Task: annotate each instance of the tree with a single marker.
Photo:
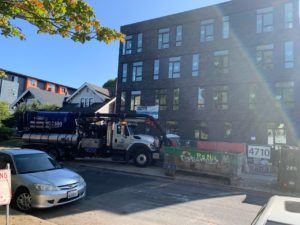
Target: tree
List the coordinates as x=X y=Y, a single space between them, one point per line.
x=2 y=74
x=4 y=112
x=35 y=106
x=110 y=83
x=67 y=18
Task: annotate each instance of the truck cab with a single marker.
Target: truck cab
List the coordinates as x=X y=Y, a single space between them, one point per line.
x=142 y=148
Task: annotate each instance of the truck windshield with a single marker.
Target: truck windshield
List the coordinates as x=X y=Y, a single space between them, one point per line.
x=32 y=163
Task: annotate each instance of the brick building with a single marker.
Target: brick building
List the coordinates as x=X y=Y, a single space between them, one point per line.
x=15 y=84
x=227 y=72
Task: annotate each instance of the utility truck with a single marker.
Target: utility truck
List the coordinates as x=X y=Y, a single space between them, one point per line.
x=66 y=135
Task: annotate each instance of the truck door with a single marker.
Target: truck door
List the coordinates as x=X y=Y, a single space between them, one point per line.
x=121 y=139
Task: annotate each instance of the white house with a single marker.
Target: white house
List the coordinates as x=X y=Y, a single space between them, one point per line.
x=90 y=98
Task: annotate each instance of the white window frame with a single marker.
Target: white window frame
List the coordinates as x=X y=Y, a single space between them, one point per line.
x=289 y=57
x=137 y=71
x=207 y=30
x=174 y=67
x=163 y=38
x=156 y=69
x=179 y=30
x=262 y=16
x=127 y=46
x=139 y=42
x=124 y=72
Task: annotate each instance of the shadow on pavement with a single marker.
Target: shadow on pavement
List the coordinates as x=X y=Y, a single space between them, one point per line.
x=124 y=194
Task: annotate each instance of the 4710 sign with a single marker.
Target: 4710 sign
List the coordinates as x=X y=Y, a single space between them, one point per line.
x=258 y=151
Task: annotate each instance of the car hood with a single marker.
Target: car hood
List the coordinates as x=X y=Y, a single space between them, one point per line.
x=56 y=177
x=144 y=137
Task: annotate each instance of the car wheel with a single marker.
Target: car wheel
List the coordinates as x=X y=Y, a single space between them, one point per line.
x=142 y=158
x=23 y=200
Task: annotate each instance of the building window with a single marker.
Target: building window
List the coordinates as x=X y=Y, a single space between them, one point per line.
x=195 y=65
x=82 y=103
x=252 y=97
x=51 y=87
x=91 y=101
x=171 y=127
x=14 y=78
x=86 y=102
x=156 y=69
x=225 y=27
x=201 y=132
x=284 y=92
x=161 y=99
x=127 y=46
x=124 y=73
x=64 y=90
x=176 y=99
x=221 y=62
x=135 y=100
x=140 y=42
x=123 y=101
x=137 y=71
x=264 y=56
x=201 y=99
x=220 y=97
x=164 y=38
x=264 y=20
x=32 y=82
x=179 y=35
x=288 y=54
x=288 y=15
x=174 y=67
x=207 y=30
x=276 y=134
x=227 y=130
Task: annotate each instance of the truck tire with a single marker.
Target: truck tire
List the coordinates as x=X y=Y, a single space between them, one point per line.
x=142 y=158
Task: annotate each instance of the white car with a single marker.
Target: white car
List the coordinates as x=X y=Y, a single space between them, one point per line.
x=38 y=181
x=279 y=210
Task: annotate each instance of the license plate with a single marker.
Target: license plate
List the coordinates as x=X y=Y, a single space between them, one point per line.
x=72 y=194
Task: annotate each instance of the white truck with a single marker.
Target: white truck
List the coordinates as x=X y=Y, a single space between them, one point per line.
x=67 y=135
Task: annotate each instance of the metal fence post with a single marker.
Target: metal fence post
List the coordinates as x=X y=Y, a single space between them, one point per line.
x=7 y=206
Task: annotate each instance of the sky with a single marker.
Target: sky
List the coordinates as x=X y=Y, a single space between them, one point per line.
x=71 y=63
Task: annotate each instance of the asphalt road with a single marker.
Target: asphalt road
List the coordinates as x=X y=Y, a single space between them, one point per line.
x=120 y=199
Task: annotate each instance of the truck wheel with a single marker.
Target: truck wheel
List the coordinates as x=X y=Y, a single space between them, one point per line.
x=142 y=158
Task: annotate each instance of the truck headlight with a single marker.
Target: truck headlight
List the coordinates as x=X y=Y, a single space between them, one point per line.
x=45 y=187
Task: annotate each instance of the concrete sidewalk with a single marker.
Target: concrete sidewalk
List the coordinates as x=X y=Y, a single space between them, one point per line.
x=18 y=218
x=249 y=182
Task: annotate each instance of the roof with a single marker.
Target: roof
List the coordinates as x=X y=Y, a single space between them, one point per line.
x=44 y=97
x=102 y=92
x=73 y=107
x=20 y=151
x=281 y=209
x=28 y=76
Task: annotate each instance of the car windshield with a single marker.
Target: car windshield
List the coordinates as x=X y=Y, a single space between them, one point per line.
x=31 y=163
